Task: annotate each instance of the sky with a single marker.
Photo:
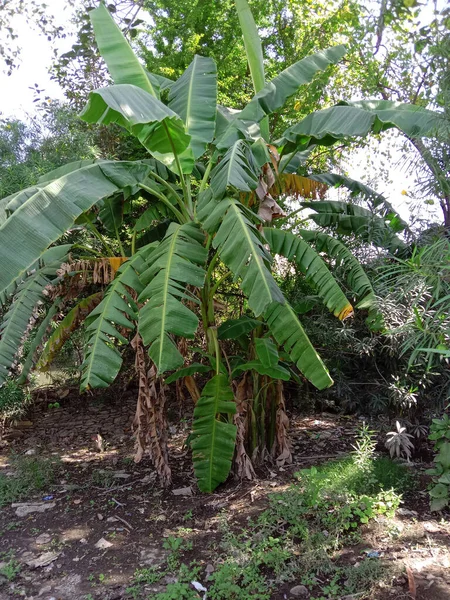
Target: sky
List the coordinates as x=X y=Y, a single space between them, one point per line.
x=16 y=100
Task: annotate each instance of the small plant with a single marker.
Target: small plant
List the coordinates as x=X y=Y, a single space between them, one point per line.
x=103 y=478
x=399 y=442
x=14 y=399
x=10 y=569
x=364 y=448
x=31 y=474
x=175 y=545
x=440 y=492
x=54 y=405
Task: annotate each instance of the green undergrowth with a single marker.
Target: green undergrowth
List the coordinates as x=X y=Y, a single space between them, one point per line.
x=297 y=539
x=30 y=475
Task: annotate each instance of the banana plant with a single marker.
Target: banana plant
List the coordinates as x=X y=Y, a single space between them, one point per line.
x=208 y=206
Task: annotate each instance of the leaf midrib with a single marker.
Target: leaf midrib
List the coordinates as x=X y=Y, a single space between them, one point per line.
x=255 y=254
x=171 y=254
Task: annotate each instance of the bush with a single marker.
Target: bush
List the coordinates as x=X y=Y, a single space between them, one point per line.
x=440 y=492
x=14 y=400
x=31 y=475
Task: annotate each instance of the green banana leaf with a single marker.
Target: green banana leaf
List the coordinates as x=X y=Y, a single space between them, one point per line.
x=274 y=371
x=176 y=263
x=160 y=130
x=29 y=292
x=67 y=168
x=379 y=203
x=213 y=437
x=194 y=97
x=350 y=219
x=120 y=59
x=236 y=169
x=241 y=248
x=266 y=351
x=102 y=360
x=41 y=333
x=235 y=328
x=53 y=210
x=356 y=277
x=192 y=369
x=275 y=93
x=326 y=127
x=111 y=213
x=311 y=264
x=65 y=328
x=288 y=332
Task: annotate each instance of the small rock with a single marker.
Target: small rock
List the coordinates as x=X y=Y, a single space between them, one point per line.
x=102 y=544
x=99 y=516
x=430 y=526
x=30 y=452
x=120 y=475
x=186 y=491
x=405 y=512
x=45 y=590
x=25 y=508
x=44 y=538
x=43 y=560
x=299 y=591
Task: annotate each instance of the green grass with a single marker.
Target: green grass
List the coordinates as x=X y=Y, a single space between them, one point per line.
x=32 y=474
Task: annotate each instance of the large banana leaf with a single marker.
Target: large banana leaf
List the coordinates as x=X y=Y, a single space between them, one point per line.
x=117 y=52
x=111 y=213
x=356 y=278
x=103 y=360
x=276 y=92
x=67 y=168
x=288 y=332
x=350 y=219
x=356 y=188
x=316 y=271
x=48 y=213
x=176 y=263
x=253 y=50
x=15 y=323
x=241 y=248
x=65 y=328
x=236 y=169
x=325 y=127
x=155 y=125
x=213 y=436
x=14 y=201
x=194 y=98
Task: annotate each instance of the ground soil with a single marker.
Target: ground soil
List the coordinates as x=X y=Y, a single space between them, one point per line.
x=100 y=493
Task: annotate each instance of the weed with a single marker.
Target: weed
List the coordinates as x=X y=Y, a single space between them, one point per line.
x=102 y=478
x=188 y=516
x=440 y=492
x=31 y=474
x=10 y=569
x=14 y=400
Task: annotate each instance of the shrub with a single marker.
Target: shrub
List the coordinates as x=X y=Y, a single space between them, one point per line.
x=440 y=434
x=14 y=399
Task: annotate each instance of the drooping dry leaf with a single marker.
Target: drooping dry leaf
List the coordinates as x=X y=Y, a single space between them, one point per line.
x=242 y=462
x=150 y=423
